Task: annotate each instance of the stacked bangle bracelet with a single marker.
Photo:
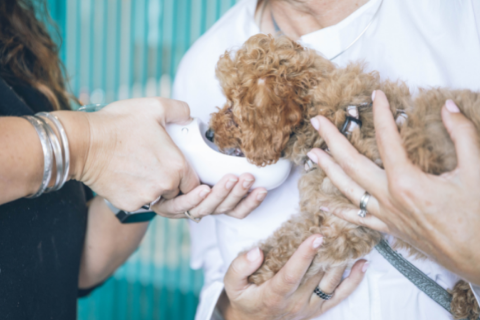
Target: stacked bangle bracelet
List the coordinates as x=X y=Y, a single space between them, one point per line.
x=55 y=149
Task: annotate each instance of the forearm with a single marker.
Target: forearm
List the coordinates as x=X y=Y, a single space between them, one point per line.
x=21 y=159
x=21 y=155
x=108 y=243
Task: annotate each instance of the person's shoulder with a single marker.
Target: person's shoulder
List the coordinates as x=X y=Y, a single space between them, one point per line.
x=430 y=11
x=433 y=20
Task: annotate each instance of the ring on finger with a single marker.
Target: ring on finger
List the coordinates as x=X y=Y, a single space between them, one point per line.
x=154 y=202
x=189 y=216
x=363 y=204
x=322 y=295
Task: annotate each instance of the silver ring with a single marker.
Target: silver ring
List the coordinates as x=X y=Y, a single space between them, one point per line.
x=154 y=202
x=363 y=204
x=322 y=295
x=189 y=216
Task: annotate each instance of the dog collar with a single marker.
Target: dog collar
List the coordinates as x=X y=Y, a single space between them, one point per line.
x=353 y=121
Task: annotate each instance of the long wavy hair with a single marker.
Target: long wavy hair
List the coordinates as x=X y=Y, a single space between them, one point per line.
x=27 y=52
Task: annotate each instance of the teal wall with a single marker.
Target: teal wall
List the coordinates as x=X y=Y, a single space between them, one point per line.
x=117 y=49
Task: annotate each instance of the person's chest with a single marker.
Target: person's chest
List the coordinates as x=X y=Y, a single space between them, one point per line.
x=424 y=50
x=41 y=244
x=41 y=239
x=422 y=43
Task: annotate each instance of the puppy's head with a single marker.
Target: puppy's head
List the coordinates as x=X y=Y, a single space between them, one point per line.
x=267 y=83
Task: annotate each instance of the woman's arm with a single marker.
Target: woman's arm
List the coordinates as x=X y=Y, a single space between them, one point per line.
x=21 y=159
x=21 y=155
x=108 y=243
x=440 y=215
x=122 y=152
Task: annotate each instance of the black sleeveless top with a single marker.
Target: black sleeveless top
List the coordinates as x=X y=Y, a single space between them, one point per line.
x=41 y=239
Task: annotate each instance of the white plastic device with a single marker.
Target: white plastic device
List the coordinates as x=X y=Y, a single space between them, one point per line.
x=212 y=165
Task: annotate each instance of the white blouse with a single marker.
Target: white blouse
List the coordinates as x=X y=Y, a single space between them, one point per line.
x=426 y=43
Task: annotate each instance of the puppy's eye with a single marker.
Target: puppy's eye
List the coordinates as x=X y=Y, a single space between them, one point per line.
x=232 y=123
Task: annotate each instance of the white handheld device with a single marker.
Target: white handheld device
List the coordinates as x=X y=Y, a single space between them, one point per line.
x=211 y=165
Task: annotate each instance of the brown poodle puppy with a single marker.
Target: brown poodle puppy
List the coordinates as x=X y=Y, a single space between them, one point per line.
x=273 y=87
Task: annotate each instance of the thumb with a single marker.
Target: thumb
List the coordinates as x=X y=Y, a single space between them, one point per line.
x=464 y=135
x=175 y=111
x=236 y=279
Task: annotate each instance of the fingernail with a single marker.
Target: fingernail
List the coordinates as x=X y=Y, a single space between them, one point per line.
x=204 y=193
x=230 y=183
x=261 y=195
x=317 y=242
x=373 y=95
x=247 y=183
x=451 y=106
x=253 y=254
x=312 y=157
x=365 y=266
x=315 y=123
x=325 y=209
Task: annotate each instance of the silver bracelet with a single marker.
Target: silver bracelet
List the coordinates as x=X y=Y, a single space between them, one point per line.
x=47 y=154
x=66 y=147
x=57 y=152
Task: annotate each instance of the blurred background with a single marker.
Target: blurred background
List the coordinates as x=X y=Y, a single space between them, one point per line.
x=118 y=49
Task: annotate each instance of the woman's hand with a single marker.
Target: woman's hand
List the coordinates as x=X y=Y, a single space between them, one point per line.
x=126 y=156
x=229 y=196
x=440 y=215
x=282 y=297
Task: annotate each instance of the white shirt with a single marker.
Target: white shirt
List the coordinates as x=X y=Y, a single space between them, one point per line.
x=426 y=43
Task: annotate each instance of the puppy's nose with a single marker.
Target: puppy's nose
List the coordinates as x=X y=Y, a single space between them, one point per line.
x=210 y=135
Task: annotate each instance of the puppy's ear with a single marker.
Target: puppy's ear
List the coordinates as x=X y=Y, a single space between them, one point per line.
x=276 y=77
x=227 y=74
x=267 y=125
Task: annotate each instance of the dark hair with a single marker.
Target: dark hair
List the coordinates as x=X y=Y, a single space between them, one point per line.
x=28 y=53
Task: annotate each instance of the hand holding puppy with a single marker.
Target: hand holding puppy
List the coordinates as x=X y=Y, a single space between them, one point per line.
x=440 y=215
x=283 y=296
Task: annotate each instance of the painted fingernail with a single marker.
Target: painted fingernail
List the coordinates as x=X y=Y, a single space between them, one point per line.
x=204 y=193
x=312 y=156
x=230 y=183
x=247 y=183
x=253 y=254
x=373 y=95
x=451 y=106
x=261 y=195
x=365 y=266
x=315 y=123
x=317 y=242
x=325 y=209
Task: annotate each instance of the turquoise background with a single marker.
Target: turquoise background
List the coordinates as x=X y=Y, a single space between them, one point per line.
x=118 y=49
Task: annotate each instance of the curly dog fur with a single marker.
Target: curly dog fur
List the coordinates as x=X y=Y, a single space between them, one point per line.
x=274 y=86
